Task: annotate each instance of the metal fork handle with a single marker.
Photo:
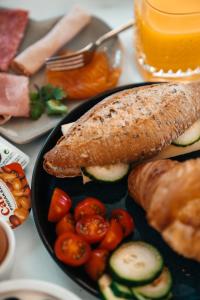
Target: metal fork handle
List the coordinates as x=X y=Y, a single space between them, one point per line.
x=114 y=32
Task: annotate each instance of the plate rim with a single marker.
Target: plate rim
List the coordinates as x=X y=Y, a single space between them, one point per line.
x=98 y=98
x=38 y=286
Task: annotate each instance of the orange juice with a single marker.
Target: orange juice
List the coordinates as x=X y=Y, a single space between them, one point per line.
x=168 y=37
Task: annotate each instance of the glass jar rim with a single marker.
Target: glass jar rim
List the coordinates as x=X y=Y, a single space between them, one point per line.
x=171 y=13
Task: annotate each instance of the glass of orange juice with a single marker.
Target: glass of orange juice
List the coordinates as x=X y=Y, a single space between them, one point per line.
x=168 y=39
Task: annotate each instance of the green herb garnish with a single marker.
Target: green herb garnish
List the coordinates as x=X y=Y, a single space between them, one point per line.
x=37 y=106
x=49 y=92
x=39 y=101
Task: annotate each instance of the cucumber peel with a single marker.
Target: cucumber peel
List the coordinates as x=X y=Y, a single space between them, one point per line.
x=121 y=290
x=109 y=173
x=158 y=289
x=105 y=288
x=189 y=137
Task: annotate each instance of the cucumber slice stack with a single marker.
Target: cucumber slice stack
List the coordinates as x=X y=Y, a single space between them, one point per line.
x=106 y=290
x=157 y=289
x=137 y=272
x=121 y=290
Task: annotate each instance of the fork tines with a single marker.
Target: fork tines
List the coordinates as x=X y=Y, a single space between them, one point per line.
x=67 y=62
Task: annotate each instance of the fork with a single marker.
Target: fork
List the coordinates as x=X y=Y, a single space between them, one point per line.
x=82 y=57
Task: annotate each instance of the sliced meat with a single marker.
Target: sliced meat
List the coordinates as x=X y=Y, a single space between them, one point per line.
x=14 y=95
x=33 y=58
x=12 y=27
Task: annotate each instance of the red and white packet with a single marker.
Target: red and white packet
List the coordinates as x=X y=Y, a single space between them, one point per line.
x=15 y=195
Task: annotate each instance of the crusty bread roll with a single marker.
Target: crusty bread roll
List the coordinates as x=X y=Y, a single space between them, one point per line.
x=169 y=191
x=128 y=126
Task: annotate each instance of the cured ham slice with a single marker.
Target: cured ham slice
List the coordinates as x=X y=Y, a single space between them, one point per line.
x=14 y=96
x=31 y=59
x=12 y=27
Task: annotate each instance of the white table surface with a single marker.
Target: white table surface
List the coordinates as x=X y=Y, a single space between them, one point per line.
x=32 y=259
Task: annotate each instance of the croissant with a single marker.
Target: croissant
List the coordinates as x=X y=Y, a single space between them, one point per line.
x=169 y=192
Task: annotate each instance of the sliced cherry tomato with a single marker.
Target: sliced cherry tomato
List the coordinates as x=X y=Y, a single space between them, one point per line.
x=88 y=207
x=66 y=224
x=125 y=219
x=96 y=265
x=59 y=206
x=92 y=228
x=72 y=249
x=113 y=236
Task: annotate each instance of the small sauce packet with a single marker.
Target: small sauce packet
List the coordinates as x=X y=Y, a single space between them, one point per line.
x=10 y=154
x=15 y=195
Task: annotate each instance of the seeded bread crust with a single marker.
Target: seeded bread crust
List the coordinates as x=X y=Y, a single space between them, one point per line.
x=128 y=126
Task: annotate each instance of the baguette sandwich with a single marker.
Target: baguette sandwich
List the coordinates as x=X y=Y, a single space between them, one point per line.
x=129 y=126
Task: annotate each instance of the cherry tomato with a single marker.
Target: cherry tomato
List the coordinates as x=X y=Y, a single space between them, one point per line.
x=66 y=224
x=113 y=236
x=92 y=228
x=96 y=265
x=72 y=249
x=59 y=206
x=88 y=207
x=125 y=219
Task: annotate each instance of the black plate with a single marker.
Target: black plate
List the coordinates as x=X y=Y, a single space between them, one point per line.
x=186 y=273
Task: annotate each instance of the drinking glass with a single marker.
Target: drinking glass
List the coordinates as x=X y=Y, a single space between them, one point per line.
x=168 y=39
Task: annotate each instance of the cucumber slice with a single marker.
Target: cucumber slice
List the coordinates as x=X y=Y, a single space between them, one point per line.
x=105 y=288
x=136 y=263
x=110 y=173
x=190 y=136
x=157 y=289
x=140 y=297
x=121 y=290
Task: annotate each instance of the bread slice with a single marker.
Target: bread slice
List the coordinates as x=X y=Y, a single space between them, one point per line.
x=131 y=125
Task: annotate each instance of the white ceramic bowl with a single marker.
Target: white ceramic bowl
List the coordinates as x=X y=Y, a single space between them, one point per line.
x=25 y=287
x=6 y=265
